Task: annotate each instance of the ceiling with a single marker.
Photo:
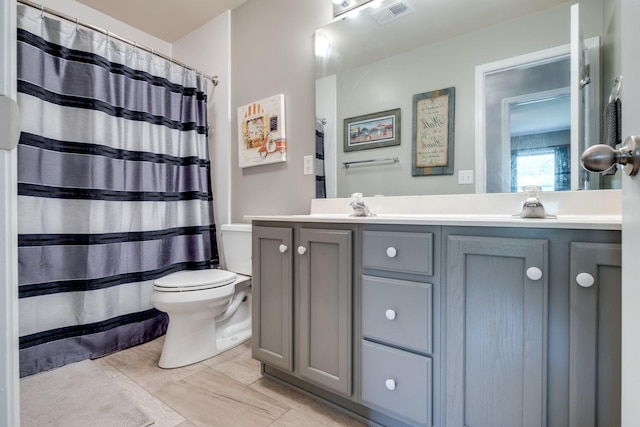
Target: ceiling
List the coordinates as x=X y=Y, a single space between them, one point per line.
x=169 y=20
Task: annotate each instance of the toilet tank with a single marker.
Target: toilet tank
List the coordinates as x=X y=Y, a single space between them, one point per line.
x=236 y=247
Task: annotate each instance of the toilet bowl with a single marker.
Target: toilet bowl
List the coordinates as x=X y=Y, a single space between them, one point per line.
x=209 y=310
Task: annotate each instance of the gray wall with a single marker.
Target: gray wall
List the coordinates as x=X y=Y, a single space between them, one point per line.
x=272 y=52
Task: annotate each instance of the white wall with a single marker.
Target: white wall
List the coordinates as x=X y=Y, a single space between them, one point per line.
x=91 y=16
x=208 y=50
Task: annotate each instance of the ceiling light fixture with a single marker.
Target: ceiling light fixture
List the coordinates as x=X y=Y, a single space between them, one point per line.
x=343 y=6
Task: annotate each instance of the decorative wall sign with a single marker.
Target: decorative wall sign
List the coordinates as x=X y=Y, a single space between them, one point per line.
x=261 y=132
x=372 y=130
x=433 y=125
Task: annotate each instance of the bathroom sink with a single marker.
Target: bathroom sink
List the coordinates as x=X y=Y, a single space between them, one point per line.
x=607 y=222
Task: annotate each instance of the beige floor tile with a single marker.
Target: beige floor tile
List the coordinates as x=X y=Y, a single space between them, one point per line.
x=295 y=418
x=237 y=363
x=226 y=390
x=140 y=363
x=210 y=398
x=303 y=404
x=161 y=414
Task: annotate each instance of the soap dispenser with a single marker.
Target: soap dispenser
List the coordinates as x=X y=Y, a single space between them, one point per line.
x=532 y=207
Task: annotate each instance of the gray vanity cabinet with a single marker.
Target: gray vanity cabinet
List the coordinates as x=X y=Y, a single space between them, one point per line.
x=595 y=342
x=496 y=328
x=324 y=301
x=272 y=290
x=302 y=311
x=442 y=326
x=400 y=352
x=527 y=347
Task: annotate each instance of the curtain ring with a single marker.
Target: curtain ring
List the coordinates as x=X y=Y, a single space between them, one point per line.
x=77 y=25
x=41 y=10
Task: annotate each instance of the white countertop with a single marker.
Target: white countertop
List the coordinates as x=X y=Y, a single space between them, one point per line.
x=584 y=222
x=587 y=210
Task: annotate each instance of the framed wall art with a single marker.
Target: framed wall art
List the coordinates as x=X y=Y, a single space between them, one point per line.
x=261 y=132
x=372 y=130
x=433 y=126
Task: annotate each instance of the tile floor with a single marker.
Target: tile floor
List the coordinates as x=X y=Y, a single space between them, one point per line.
x=226 y=390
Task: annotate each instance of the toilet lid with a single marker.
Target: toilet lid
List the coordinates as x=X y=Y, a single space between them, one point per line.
x=194 y=280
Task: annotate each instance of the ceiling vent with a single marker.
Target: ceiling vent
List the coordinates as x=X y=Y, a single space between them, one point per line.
x=392 y=12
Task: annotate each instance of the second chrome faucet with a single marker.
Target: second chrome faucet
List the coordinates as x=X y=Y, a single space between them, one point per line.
x=358 y=206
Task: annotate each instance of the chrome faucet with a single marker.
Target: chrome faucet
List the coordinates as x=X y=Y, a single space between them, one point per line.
x=359 y=208
x=532 y=207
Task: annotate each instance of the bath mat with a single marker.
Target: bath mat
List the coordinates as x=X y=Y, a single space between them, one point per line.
x=78 y=394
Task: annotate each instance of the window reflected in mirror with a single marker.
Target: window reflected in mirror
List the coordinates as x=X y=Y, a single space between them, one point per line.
x=540 y=138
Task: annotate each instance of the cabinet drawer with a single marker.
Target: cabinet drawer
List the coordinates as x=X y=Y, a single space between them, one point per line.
x=398 y=251
x=398 y=312
x=397 y=382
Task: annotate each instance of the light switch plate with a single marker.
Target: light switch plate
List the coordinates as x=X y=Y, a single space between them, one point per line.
x=308 y=165
x=465 y=177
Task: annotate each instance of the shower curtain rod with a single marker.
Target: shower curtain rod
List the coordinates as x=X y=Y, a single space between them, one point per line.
x=43 y=9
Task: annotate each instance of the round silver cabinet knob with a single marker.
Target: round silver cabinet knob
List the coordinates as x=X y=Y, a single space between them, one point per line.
x=390 y=314
x=390 y=384
x=282 y=248
x=392 y=252
x=585 y=280
x=302 y=250
x=534 y=273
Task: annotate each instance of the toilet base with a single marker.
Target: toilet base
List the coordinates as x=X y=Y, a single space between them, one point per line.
x=194 y=337
x=171 y=359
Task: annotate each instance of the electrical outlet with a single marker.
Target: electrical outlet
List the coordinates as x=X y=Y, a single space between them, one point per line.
x=308 y=165
x=465 y=177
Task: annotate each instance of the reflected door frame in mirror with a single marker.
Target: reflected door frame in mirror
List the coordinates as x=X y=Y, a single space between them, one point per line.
x=481 y=73
x=591 y=99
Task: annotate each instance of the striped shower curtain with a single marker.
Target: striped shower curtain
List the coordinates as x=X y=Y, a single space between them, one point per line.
x=113 y=189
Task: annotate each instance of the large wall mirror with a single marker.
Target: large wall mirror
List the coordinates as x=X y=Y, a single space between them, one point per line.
x=509 y=63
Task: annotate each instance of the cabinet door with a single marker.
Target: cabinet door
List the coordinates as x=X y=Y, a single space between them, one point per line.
x=272 y=296
x=325 y=292
x=595 y=325
x=496 y=322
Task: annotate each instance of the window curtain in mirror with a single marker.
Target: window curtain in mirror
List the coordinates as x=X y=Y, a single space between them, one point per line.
x=321 y=188
x=114 y=189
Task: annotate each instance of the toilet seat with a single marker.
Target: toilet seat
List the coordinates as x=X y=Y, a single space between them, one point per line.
x=194 y=280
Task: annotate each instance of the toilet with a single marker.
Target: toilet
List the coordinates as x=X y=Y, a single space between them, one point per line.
x=209 y=310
